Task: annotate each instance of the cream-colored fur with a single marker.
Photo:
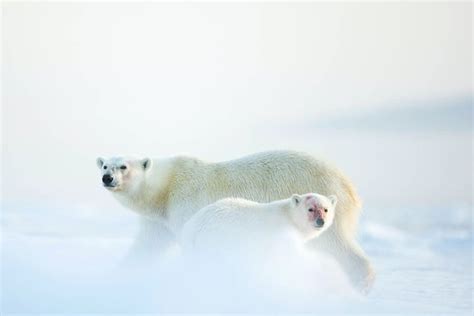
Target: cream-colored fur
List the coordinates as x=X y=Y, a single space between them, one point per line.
x=167 y=192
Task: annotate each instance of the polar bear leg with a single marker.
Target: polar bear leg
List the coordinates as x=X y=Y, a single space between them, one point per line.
x=152 y=241
x=349 y=255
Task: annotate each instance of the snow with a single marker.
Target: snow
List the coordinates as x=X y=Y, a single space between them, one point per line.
x=74 y=264
x=63 y=242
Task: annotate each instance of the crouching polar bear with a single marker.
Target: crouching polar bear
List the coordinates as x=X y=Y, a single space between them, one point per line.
x=167 y=192
x=235 y=223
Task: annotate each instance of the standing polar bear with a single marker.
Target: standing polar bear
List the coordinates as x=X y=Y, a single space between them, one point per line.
x=239 y=222
x=167 y=192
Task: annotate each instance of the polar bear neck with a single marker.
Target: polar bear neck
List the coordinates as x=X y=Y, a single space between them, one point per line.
x=289 y=212
x=283 y=209
x=151 y=197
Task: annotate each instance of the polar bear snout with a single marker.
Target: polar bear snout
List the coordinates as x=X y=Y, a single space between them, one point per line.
x=319 y=222
x=107 y=179
x=316 y=216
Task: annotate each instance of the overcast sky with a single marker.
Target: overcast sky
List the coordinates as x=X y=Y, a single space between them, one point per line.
x=82 y=80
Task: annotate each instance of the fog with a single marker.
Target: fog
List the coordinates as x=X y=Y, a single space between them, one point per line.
x=382 y=90
x=82 y=80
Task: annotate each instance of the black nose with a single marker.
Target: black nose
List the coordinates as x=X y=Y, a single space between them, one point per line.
x=107 y=179
x=320 y=222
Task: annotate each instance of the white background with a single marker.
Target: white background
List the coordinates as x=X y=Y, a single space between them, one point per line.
x=218 y=81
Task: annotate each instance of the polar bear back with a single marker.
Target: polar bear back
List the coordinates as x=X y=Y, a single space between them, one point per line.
x=234 y=222
x=265 y=177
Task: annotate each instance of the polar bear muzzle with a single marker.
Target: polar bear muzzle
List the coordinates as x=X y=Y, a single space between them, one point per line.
x=107 y=179
x=319 y=222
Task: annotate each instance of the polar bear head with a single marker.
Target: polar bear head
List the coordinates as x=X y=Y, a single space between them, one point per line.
x=312 y=212
x=121 y=174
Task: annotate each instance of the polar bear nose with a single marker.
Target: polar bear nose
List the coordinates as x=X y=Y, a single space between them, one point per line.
x=319 y=222
x=107 y=179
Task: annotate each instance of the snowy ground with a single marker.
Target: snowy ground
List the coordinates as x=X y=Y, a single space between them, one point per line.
x=73 y=265
x=61 y=255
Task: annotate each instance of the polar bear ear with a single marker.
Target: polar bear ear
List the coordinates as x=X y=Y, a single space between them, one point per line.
x=100 y=162
x=333 y=199
x=295 y=199
x=146 y=163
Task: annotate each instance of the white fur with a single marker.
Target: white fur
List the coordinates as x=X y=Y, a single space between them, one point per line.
x=232 y=222
x=169 y=191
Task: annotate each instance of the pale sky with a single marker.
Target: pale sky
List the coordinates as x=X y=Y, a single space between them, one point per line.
x=83 y=80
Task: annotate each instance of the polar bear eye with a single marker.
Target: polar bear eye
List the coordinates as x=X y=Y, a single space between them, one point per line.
x=105 y=167
x=310 y=210
x=123 y=167
x=325 y=210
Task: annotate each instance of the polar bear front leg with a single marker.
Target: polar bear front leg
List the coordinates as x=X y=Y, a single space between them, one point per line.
x=349 y=255
x=152 y=241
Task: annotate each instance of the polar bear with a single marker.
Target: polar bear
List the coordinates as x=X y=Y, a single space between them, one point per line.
x=236 y=222
x=167 y=192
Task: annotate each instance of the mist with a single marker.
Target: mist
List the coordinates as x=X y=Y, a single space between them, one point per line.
x=382 y=90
